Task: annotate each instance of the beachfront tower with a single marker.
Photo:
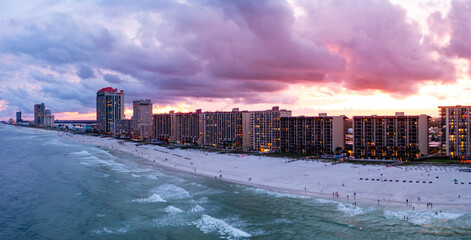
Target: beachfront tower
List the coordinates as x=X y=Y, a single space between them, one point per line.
x=456 y=137
x=18 y=116
x=142 y=119
x=109 y=107
x=39 y=114
x=400 y=136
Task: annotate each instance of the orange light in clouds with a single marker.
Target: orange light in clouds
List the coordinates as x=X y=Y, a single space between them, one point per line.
x=165 y=109
x=74 y=116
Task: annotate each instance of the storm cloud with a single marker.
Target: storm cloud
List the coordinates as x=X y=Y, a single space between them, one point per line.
x=61 y=53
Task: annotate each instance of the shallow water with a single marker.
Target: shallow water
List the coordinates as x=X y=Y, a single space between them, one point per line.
x=55 y=189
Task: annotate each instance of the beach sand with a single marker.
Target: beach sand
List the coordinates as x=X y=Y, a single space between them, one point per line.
x=311 y=178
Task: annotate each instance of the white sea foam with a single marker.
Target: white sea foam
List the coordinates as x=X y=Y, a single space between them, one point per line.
x=135 y=175
x=196 y=208
x=209 y=224
x=320 y=200
x=172 y=209
x=111 y=231
x=276 y=194
x=421 y=217
x=151 y=199
x=170 y=191
x=350 y=209
x=81 y=153
x=84 y=163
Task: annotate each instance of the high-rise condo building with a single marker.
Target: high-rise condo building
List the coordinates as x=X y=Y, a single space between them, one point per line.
x=396 y=136
x=186 y=127
x=18 y=117
x=455 y=128
x=39 y=114
x=162 y=126
x=262 y=129
x=142 y=119
x=314 y=135
x=222 y=129
x=109 y=107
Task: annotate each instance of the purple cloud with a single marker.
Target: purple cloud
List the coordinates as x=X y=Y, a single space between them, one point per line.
x=245 y=51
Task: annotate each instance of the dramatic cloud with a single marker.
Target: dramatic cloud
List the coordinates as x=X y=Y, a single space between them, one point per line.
x=459 y=20
x=61 y=53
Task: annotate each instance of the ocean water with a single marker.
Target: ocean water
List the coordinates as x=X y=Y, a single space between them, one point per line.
x=51 y=188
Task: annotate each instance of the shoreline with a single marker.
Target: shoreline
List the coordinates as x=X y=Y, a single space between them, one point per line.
x=292 y=178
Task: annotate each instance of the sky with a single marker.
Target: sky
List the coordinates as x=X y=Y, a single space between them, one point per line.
x=339 y=57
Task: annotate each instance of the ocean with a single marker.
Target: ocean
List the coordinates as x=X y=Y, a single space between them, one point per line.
x=51 y=188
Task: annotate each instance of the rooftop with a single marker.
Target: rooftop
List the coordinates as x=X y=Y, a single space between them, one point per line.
x=111 y=90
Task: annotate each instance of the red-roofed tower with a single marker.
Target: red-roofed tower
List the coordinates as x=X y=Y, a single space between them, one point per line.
x=109 y=107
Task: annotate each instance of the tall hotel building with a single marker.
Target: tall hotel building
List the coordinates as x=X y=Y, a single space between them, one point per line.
x=18 y=116
x=186 y=127
x=262 y=129
x=162 y=126
x=222 y=128
x=396 y=136
x=454 y=122
x=142 y=119
x=109 y=107
x=315 y=135
x=39 y=114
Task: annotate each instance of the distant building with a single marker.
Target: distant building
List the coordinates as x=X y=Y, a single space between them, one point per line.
x=396 y=136
x=186 y=127
x=456 y=129
x=162 y=126
x=18 y=117
x=109 y=107
x=122 y=128
x=142 y=116
x=222 y=129
x=314 y=135
x=48 y=119
x=39 y=114
x=262 y=129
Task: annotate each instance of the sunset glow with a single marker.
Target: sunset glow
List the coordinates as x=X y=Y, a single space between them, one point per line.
x=338 y=57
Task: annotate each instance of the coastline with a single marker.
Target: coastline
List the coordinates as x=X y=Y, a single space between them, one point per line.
x=320 y=179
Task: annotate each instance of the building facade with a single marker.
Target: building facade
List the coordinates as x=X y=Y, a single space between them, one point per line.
x=398 y=136
x=186 y=127
x=109 y=107
x=263 y=131
x=18 y=117
x=39 y=114
x=142 y=118
x=313 y=135
x=455 y=128
x=48 y=118
x=122 y=128
x=162 y=126
x=222 y=129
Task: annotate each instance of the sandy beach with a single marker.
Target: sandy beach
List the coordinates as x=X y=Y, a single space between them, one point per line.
x=407 y=187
